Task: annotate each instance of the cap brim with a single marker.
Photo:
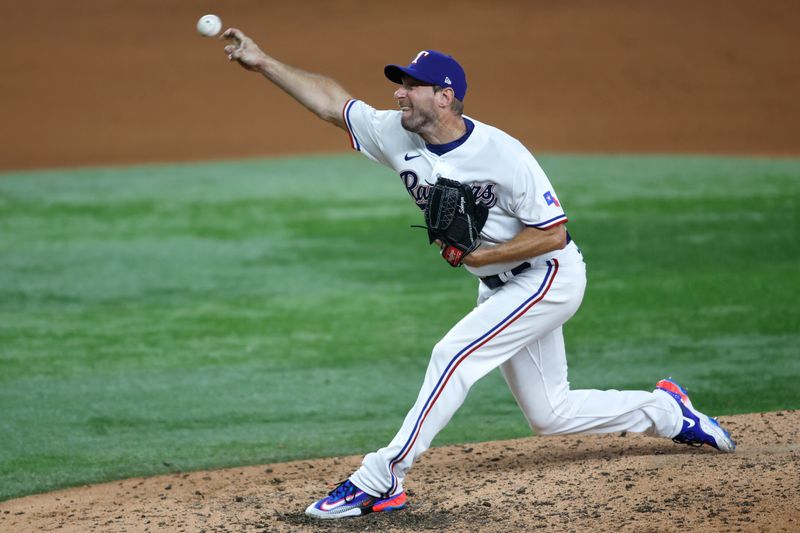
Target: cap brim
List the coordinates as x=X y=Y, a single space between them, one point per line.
x=395 y=73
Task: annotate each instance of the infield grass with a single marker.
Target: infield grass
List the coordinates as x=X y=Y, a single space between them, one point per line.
x=191 y=316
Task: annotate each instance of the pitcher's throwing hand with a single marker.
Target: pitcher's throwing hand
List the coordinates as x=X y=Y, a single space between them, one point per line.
x=243 y=49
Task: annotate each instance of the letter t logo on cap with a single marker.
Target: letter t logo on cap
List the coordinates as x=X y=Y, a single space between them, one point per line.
x=420 y=55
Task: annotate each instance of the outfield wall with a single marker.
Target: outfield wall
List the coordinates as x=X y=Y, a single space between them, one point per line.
x=124 y=81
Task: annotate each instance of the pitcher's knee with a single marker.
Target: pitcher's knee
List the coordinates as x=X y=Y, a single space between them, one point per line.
x=442 y=356
x=547 y=422
x=543 y=426
x=442 y=353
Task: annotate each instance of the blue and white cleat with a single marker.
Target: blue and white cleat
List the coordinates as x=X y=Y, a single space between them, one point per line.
x=348 y=500
x=698 y=429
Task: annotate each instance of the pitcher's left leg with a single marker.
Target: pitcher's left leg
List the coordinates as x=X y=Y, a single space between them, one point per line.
x=530 y=305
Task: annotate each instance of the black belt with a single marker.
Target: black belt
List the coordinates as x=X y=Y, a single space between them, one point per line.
x=496 y=281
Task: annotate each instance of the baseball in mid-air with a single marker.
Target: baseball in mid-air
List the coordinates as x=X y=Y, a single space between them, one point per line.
x=209 y=25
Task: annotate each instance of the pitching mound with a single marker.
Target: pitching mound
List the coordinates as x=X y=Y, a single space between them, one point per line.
x=580 y=483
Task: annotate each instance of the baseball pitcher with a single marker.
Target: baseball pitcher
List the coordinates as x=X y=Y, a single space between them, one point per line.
x=490 y=207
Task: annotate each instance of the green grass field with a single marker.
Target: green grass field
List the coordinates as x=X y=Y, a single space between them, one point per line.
x=182 y=317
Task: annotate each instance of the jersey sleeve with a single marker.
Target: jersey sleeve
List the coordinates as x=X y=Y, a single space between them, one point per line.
x=368 y=128
x=535 y=202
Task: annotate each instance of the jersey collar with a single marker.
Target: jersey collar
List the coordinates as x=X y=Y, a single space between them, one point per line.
x=441 y=149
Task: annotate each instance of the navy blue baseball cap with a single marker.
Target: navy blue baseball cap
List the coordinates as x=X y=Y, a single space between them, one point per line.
x=432 y=67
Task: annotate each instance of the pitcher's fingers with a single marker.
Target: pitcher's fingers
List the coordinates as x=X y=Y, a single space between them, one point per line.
x=233 y=34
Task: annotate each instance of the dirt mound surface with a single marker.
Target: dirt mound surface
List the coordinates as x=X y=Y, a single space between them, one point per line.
x=579 y=483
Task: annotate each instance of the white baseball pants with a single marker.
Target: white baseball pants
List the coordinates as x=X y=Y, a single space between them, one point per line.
x=516 y=327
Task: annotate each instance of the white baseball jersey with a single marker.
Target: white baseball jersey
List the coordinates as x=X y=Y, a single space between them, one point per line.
x=502 y=172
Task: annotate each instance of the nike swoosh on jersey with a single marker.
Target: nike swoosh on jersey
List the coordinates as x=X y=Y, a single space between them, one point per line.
x=689 y=421
x=409 y=158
